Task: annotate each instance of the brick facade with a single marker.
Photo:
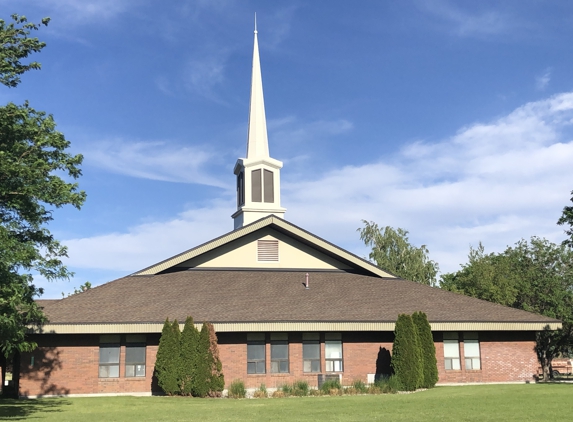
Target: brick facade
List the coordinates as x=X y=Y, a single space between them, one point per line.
x=68 y=364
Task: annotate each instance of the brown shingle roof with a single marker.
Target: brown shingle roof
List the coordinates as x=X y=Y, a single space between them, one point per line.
x=266 y=296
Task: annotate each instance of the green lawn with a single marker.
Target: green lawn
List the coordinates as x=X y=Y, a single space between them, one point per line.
x=535 y=402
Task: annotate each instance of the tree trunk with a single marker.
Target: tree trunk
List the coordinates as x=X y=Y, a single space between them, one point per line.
x=3 y=367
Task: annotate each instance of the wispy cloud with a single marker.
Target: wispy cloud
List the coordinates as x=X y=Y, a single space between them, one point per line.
x=203 y=75
x=466 y=23
x=154 y=160
x=494 y=182
x=542 y=81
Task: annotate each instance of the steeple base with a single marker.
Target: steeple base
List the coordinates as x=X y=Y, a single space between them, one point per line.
x=246 y=216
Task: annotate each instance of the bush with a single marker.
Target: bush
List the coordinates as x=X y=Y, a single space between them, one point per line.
x=427 y=350
x=286 y=389
x=360 y=386
x=237 y=390
x=389 y=385
x=215 y=380
x=188 y=359
x=300 y=388
x=315 y=392
x=261 y=392
x=329 y=385
x=406 y=362
x=278 y=394
x=167 y=361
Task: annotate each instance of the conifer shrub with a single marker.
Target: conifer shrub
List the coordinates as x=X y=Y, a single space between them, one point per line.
x=167 y=360
x=216 y=380
x=188 y=358
x=237 y=390
x=406 y=361
x=202 y=382
x=427 y=350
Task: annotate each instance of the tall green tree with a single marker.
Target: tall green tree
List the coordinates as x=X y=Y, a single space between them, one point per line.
x=35 y=169
x=535 y=276
x=189 y=357
x=202 y=383
x=406 y=359
x=167 y=364
x=392 y=251
x=566 y=219
x=427 y=350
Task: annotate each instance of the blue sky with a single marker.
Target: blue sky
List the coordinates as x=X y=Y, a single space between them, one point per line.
x=451 y=119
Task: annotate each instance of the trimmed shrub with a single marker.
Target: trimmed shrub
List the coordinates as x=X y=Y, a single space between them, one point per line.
x=202 y=383
x=188 y=359
x=406 y=362
x=237 y=390
x=427 y=350
x=167 y=360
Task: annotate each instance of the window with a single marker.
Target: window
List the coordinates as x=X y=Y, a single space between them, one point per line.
x=267 y=250
x=279 y=353
x=471 y=351
x=135 y=355
x=269 y=186
x=109 y=356
x=333 y=352
x=240 y=189
x=256 y=186
x=311 y=352
x=256 y=362
x=451 y=351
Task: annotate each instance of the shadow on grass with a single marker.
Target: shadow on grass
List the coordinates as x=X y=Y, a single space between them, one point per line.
x=15 y=410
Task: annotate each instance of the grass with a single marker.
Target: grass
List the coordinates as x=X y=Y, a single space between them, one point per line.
x=533 y=402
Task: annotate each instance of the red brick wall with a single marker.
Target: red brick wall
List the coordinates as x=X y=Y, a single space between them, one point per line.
x=505 y=357
x=68 y=364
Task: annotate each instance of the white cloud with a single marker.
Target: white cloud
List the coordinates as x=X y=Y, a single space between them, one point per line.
x=467 y=23
x=493 y=182
x=203 y=75
x=154 y=160
x=542 y=81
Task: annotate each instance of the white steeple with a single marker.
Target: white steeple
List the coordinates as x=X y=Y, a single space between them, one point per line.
x=258 y=175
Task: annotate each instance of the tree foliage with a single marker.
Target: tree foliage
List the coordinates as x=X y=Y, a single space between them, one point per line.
x=167 y=365
x=406 y=360
x=203 y=372
x=33 y=155
x=216 y=378
x=189 y=357
x=427 y=350
x=392 y=251
x=535 y=276
x=567 y=219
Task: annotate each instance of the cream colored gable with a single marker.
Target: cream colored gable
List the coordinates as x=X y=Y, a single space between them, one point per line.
x=242 y=253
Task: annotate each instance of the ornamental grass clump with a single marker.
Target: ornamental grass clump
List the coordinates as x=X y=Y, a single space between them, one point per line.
x=331 y=387
x=261 y=392
x=360 y=386
x=300 y=388
x=237 y=390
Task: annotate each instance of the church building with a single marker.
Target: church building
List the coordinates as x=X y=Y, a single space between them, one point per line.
x=286 y=305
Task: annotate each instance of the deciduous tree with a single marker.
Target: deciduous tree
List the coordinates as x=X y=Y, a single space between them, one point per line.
x=35 y=169
x=392 y=251
x=566 y=219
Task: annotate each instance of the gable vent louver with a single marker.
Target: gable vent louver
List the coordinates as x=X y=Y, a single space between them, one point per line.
x=268 y=250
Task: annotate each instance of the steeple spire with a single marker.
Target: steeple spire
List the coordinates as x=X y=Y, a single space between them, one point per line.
x=258 y=175
x=257 y=140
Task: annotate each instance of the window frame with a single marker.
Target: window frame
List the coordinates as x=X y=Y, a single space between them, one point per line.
x=472 y=338
x=109 y=341
x=331 y=362
x=309 y=339
x=257 y=339
x=452 y=338
x=280 y=339
x=135 y=341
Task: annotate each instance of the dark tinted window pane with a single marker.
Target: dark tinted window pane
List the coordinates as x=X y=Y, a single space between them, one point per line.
x=251 y=368
x=135 y=354
x=255 y=351
x=311 y=350
x=139 y=370
x=315 y=366
x=279 y=351
x=109 y=354
x=284 y=366
x=261 y=367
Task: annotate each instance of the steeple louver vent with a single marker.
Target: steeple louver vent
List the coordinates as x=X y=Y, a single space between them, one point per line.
x=268 y=250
